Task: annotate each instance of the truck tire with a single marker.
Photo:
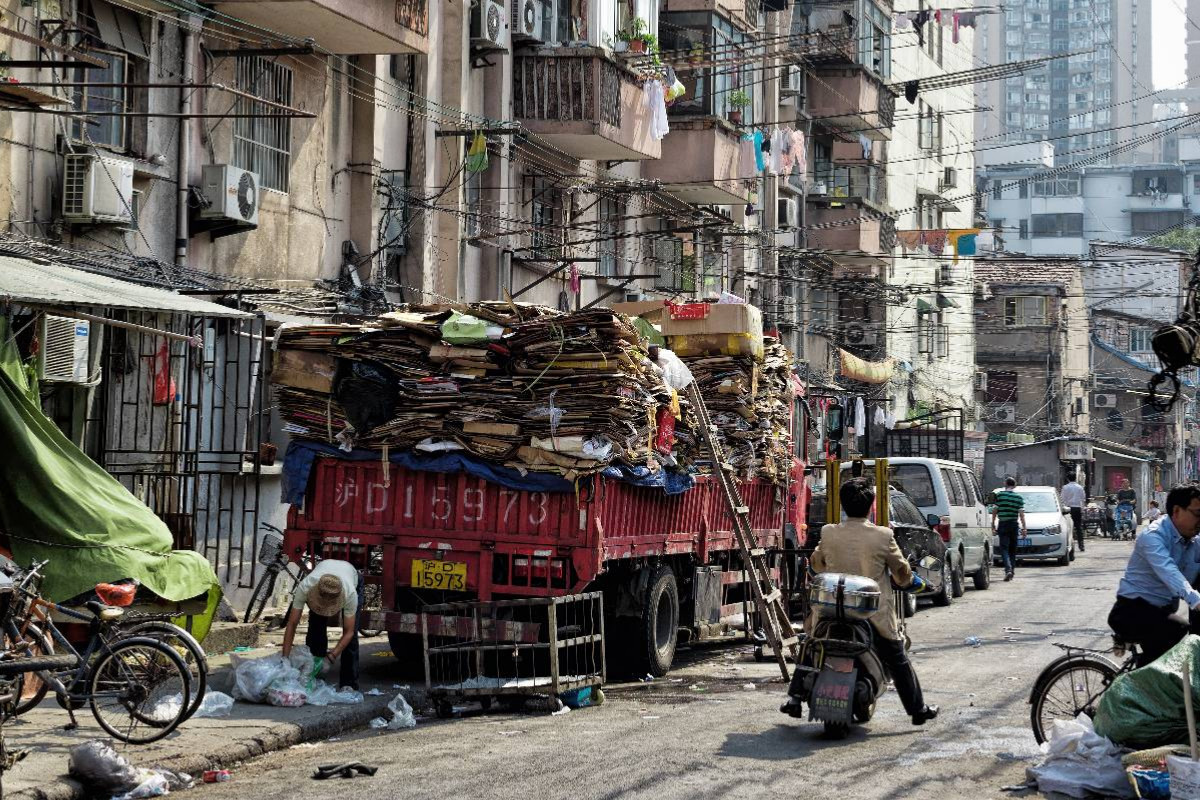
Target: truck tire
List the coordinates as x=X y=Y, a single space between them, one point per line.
x=658 y=628
x=409 y=651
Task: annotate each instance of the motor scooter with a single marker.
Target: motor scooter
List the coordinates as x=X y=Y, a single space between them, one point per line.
x=838 y=674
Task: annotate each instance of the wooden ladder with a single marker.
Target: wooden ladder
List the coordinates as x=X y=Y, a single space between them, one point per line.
x=768 y=599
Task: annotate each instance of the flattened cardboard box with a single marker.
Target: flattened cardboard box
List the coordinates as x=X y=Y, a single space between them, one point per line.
x=304 y=369
x=730 y=328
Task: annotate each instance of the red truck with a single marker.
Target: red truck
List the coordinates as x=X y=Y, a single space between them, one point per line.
x=666 y=564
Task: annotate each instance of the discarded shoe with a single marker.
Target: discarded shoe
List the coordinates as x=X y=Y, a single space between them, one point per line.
x=924 y=715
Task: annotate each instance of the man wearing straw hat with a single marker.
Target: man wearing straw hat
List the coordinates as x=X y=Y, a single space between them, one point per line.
x=333 y=587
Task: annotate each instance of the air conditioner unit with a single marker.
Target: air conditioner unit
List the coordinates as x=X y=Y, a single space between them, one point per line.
x=97 y=189
x=64 y=354
x=949 y=178
x=819 y=188
x=791 y=81
x=527 y=21
x=1104 y=400
x=981 y=381
x=231 y=192
x=489 y=26
x=859 y=335
x=789 y=213
x=1007 y=414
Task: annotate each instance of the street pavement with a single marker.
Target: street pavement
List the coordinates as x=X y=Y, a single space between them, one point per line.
x=712 y=729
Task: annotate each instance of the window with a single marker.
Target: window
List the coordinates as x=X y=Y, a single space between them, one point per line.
x=915 y=481
x=971 y=485
x=1150 y=222
x=1023 y=189
x=998 y=188
x=875 y=40
x=1023 y=229
x=263 y=144
x=611 y=227
x=1024 y=311
x=924 y=332
x=102 y=131
x=393 y=212
x=1064 y=185
x=544 y=212
x=1001 y=387
x=1057 y=225
x=929 y=128
x=954 y=489
x=941 y=339
x=1139 y=340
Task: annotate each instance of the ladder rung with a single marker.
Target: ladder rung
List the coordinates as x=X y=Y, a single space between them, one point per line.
x=757 y=551
x=772 y=596
x=789 y=642
x=743 y=509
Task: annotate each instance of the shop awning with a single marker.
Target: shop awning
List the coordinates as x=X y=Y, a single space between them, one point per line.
x=1115 y=454
x=924 y=306
x=42 y=283
x=946 y=302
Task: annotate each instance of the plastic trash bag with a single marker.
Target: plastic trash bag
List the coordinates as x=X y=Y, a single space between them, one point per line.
x=1080 y=762
x=1184 y=779
x=154 y=784
x=322 y=694
x=675 y=373
x=377 y=724
x=101 y=769
x=167 y=708
x=287 y=693
x=253 y=678
x=1144 y=708
x=367 y=394
x=466 y=329
x=215 y=704
x=402 y=714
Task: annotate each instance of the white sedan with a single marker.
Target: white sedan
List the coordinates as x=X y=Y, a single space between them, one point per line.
x=1051 y=531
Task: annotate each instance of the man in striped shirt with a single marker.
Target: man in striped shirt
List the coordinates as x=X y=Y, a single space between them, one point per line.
x=1008 y=520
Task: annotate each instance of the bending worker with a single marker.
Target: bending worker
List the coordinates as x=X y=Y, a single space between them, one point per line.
x=334 y=588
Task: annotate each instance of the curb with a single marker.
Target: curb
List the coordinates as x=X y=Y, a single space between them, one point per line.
x=277 y=737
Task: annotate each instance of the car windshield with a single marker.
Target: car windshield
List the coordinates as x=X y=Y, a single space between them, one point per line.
x=1036 y=502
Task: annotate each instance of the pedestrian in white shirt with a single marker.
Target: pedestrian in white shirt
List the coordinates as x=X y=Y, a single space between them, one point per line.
x=1075 y=498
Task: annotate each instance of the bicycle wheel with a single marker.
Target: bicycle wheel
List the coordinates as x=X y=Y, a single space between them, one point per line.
x=262 y=593
x=33 y=688
x=137 y=690
x=188 y=649
x=1068 y=688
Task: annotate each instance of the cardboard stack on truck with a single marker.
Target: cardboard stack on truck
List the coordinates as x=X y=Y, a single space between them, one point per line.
x=499 y=450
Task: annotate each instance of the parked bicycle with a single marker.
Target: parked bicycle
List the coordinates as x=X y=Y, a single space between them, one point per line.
x=135 y=685
x=1072 y=684
x=271 y=556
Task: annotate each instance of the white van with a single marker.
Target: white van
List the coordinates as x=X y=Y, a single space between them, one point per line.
x=949 y=491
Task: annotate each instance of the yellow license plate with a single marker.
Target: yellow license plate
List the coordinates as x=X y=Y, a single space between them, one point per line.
x=429 y=573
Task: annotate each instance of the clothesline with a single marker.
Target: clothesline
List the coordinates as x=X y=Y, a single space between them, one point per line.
x=918 y=19
x=962 y=241
x=781 y=151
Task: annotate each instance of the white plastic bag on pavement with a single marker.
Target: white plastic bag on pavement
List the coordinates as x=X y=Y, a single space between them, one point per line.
x=154 y=784
x=215 y=704
x=1080 y=762
x=253 y=678
x=167 y=708
x=402 y=714
x=322 y=694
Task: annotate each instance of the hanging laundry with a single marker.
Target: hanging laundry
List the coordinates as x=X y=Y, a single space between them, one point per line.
x=909 y=240
x=962 y=242
x=675 y=87
x=935 y=241
x=656 y=104
x=746 y=157
x=778 y=139
x=937 y=16
x=576 y=279
x=860 y=418
x=477 y=154
x=787 y=158
x=954 y=28
x=866 y=145
x=889 y=421
x=759 y=161
x=966 y=19
x=910 y=91
x=986 y=240
x=918 y=23
x=880 y=419
x=903 y=21
x=800 y=153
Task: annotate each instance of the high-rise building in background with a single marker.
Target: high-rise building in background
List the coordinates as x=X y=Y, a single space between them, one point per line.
x=1083 y=103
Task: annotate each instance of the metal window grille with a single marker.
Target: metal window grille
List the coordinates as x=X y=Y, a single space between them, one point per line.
x=393 y=211
x=611 y=227
x=263 y=144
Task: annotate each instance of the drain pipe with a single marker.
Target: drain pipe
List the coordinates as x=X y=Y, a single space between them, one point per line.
x=183 y=162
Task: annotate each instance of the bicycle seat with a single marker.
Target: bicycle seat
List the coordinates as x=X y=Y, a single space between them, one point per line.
x=102 y=612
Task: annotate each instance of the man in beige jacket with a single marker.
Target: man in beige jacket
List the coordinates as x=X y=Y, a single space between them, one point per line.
x=859 y=547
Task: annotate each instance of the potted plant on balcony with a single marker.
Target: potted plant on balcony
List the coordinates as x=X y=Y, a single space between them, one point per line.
x=738 y=100
x=637 y=36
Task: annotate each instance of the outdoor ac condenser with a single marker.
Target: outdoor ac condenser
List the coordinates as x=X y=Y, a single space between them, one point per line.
x=64 y=354
x=97 y=189
x=231 y=192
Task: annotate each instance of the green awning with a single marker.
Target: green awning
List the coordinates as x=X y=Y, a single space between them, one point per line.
x=924 y=306
x=946 y=302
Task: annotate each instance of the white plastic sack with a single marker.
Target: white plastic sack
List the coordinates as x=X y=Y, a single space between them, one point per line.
x=167 y=708
x=402 y=714
x=253 y=678
x=675 y=373
x=322 y=694
x=154 y=784
x=1080 y=762
x=287 y=693
x=215 y=704
x=1185 y=778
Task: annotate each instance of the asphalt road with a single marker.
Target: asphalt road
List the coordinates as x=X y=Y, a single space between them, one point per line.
x=712 y=729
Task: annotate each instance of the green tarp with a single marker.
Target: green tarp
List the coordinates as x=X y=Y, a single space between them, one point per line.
x=1144 y=708
x=58 y=504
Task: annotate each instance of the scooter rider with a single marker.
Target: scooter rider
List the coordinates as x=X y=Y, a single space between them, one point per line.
x=858 y=547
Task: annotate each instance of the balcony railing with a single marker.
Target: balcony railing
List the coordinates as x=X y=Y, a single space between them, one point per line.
x=591 y=105
x=852 y=183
